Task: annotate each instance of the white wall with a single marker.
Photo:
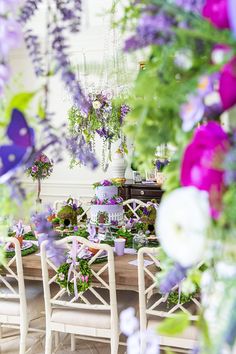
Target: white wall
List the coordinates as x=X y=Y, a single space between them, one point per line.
x=95 y=44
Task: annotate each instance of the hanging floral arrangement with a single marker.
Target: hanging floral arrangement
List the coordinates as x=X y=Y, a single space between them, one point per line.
x=104 y=119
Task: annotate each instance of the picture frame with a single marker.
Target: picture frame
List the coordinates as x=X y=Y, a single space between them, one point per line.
x=151 y=176
x=137 y=178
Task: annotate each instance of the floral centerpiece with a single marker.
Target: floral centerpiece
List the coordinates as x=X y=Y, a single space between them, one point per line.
x=41 y=168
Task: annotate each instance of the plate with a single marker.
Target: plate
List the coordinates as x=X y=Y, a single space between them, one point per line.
x=25 y=246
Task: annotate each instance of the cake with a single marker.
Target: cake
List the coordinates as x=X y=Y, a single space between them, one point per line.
x=107 y=206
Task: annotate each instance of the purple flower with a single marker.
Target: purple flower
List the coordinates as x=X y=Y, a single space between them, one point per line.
x=172 y=278
x=8 y=5
x=154 y=28
x=76 y=228
x=80 y=151
x=34 y=169
x=191 y=5
x=124 y=110
x=43 y=226
x=28 y=10
x=192 y=112
x=10 y=35
x=112 y=201
x=34 y=49
x=106 y=183
x=4 y=76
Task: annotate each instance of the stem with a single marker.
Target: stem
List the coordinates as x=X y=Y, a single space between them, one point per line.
x=39 y=190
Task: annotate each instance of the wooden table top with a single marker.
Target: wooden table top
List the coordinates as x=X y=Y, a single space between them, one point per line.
x=126 y=274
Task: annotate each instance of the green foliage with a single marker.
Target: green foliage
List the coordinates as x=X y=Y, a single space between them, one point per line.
x=174 y=325
x=64 y=282
x=25 y=252
x=20 y=101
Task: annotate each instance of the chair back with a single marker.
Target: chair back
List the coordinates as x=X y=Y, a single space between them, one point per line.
x=102 y=275
x=133 y=206
x=159 y=307
x=58 y=204
x=12 y=286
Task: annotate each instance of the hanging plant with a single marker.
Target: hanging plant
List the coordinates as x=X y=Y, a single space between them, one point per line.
x=104 y=119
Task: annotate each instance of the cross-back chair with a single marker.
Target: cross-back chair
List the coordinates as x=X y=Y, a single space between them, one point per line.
x=92 y=313
x=154 y=306
x=21 y=303
x=133 y=206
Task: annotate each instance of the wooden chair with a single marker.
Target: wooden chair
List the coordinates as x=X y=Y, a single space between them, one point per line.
x=94 y=314
x=21 y=302
x=154 y=308
x=133 y=205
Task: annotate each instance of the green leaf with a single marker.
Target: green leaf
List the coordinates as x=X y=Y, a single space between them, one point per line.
x=20 y=101
x=174 y=325
x=168 y=351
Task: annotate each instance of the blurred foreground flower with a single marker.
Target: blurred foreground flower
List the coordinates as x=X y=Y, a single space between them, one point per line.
x=202 y=164
x=182 y=223
x=129 y=325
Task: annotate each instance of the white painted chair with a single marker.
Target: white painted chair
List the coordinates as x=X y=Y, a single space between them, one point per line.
x=21 y=302
x=153 y=306
x=134 y=205
x=94 y=314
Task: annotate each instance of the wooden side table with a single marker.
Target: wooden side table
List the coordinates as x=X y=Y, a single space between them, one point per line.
x=141 y=191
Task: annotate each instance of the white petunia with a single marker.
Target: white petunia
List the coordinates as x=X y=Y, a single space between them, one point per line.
x=128 y=322
x=182 y=224
x=96 y=104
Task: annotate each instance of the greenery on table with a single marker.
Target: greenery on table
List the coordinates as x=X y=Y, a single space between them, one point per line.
x=30 y=236
x=25 y=252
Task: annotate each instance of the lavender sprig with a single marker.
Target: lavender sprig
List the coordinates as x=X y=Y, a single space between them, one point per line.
x=172 y=278
x=28 y=10
x=63 y=65
x=70 y=13
x=79 y=150
x=33 y=46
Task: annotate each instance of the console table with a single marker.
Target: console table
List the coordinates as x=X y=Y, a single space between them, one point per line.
x=142 y=191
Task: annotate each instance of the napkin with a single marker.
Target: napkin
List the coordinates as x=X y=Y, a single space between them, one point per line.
x=146 y=262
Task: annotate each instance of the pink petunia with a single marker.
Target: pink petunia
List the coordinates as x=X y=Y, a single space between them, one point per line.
x=202 y=163
x=227 y=86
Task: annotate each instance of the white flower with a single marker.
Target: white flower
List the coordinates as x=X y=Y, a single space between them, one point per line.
x=133 y=344
x=182 y=224
x=184 y=59
x=96 y=105
x=128 y=322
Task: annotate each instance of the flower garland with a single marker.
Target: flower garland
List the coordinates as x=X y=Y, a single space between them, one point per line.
x=41 y=168
x=82 y=282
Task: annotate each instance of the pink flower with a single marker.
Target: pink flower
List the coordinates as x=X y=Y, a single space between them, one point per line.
x=34 y=168
x=43 y=158
x=217 y=12
x=227 y=87
x=202 y=163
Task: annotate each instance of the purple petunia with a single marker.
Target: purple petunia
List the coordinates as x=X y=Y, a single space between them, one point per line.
x=174 y=277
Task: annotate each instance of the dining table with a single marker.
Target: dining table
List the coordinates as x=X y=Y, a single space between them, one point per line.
x=126 y=274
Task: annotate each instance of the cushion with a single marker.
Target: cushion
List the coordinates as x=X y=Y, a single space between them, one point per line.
x=190 y=333
x=94 y=318
x=34 y=299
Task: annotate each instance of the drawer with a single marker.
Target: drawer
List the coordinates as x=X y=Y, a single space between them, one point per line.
x=146 y=193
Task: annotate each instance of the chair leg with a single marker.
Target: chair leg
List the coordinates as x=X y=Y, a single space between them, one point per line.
x=23 y=336
x=72 y=340
x=114 y=345
x=48 y=342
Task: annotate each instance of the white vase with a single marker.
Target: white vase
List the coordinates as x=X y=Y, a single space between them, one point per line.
x=118 y=166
